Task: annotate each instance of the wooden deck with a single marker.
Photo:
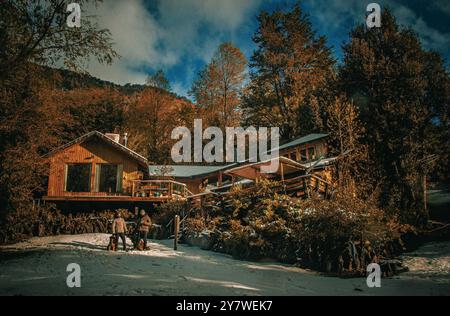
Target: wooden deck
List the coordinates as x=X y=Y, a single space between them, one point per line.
x=143 y=191
x=106 y=198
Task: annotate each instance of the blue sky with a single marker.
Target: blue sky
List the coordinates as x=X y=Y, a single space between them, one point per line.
x=180 y=36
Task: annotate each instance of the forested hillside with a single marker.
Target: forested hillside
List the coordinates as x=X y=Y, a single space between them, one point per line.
x=385 y=105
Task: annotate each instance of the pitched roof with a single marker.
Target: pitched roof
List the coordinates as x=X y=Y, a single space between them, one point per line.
x=180 y=171
x=141 y=159
x=188 y=171
x=303 y=140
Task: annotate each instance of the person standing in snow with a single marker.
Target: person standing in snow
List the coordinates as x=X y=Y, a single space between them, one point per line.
x=119 y=229
x=143 y=226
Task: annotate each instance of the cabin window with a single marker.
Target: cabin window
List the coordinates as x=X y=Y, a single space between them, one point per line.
x=78 y=178
x=303 y=155
x=311 y=153
x=293 y=156
x=108 y=178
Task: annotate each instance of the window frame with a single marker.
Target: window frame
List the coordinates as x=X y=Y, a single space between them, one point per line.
x=119 y=177
x=66 y=177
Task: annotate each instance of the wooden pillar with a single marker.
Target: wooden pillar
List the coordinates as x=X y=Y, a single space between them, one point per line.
x=220 y=179
x=305 y=187
x=282 y=178
x=176 y=231
x=425 y=193
x=93 y=176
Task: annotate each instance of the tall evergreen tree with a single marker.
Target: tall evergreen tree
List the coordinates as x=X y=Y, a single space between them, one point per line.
x=402 y=93
x=158 y=80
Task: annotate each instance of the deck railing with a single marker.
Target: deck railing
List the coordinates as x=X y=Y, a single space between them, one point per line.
x=164 y=189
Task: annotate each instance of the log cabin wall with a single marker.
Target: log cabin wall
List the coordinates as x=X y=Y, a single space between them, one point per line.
x=92 y=152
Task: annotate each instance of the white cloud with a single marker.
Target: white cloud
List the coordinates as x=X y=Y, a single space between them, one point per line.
x=442 y=5
x=187 y=29
x=336 y=12
x=431 y=38
x=182 y=32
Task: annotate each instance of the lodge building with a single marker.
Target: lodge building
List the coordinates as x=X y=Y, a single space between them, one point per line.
x=99 y=171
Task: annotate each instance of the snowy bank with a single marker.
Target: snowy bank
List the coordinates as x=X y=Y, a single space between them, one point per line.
x=38 y=267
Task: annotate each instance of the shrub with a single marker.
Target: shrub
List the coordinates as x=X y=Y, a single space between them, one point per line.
x=342 y=235
x=164 y=215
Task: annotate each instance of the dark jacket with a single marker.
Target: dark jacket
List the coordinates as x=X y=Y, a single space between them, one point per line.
x=144 y=223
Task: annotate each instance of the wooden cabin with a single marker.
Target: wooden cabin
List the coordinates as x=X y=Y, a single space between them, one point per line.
x=98 y=171
x=299 y=157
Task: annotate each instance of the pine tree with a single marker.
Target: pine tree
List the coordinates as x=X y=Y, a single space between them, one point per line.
x=158 y=80
x=402 y=93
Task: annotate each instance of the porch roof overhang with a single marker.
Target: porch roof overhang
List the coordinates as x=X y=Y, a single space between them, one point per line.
x=253 y=171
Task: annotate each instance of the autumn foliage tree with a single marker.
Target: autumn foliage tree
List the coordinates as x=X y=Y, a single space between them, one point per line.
x=290 y=65
x=346 y=142
x=150 y=118
x=35 y=33
x=217 y=90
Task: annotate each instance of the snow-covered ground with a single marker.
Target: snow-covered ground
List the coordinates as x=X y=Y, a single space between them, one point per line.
x=38 y=267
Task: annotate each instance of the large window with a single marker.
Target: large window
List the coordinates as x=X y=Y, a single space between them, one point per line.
x=311 y=153
x=78 y=178
x=303 y=156
x=108 y=178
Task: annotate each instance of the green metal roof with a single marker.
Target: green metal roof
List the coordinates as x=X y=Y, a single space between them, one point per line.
x=187 y=171
x=303 y=140
x=180 y=171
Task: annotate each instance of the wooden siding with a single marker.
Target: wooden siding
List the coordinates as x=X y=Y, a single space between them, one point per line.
x=92 y=152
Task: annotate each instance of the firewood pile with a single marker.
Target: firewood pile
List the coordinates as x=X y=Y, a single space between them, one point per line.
x=47 y=221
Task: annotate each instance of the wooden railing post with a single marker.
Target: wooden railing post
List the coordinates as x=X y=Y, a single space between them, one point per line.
x=176 y=231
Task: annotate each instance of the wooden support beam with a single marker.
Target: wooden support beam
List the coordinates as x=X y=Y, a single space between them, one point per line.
x=176 y=231
x=220 y=179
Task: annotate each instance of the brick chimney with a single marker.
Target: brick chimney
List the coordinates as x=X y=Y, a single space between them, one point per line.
x=125 y=139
